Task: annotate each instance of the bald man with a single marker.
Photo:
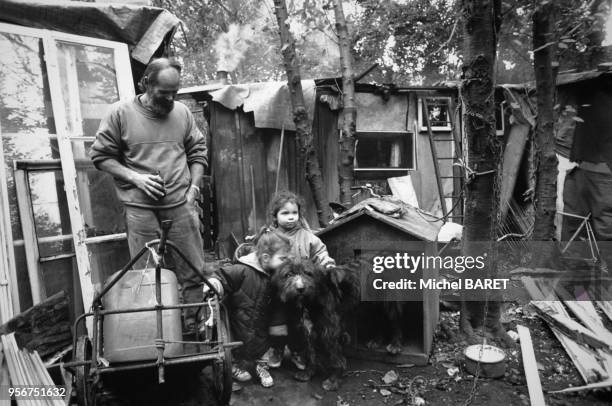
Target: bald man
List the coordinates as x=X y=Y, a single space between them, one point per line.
x=156 y=154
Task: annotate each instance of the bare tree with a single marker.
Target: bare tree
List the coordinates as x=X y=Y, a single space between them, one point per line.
x=349 y=110
x=482 y=22
x=303 y=128
x=544 y=46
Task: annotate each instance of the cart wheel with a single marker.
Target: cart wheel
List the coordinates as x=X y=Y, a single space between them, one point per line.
x=84 y=387
x=222 y=369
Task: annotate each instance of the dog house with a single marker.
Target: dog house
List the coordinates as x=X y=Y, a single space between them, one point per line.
x=365 y=231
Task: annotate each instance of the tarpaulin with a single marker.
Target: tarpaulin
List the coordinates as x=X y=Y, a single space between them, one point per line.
x=143 y=29
x=270 y=102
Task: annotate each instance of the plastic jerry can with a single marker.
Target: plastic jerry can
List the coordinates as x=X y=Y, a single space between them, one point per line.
x=131 y=336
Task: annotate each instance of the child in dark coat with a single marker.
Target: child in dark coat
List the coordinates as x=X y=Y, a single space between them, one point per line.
x=247 y=291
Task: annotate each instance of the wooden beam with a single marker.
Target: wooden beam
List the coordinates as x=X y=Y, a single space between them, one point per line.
x=531 y=368
x=28 y=228
x=69 y=173
x=9 y=293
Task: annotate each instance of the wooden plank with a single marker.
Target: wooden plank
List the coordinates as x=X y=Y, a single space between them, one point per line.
x=587 y=361
x=591 y=386
x=24 y=203
x=513 y=153
x=531 y=368
x=16 y=368
x=569 y=326
x=586 y=313
x=9 y=293
x=606 y=307
x=69 y=174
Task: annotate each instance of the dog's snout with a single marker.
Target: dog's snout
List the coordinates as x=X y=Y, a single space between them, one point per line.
x=299 y=284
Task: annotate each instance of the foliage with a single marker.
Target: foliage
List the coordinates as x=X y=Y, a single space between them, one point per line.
x=411 y=40
x=414 y=41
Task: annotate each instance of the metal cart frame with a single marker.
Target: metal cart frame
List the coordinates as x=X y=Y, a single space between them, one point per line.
x=88 y=364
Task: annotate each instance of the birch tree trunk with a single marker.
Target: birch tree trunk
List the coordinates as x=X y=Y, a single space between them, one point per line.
x=481 y=25
x=303 y=128
x=544 y=45
x=349 y=110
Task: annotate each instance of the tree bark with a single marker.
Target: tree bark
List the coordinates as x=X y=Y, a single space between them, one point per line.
x=349 y=110
x=546 y=160
x=481 y=25
x=303 y=128
x=44 y=327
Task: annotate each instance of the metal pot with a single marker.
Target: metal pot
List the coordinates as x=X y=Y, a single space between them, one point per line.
x=492 y=360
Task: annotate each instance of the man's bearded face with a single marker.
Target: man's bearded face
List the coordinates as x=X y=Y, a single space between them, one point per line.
x=163 y=91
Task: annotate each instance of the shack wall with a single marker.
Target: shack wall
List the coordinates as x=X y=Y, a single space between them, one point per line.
x=244 y=161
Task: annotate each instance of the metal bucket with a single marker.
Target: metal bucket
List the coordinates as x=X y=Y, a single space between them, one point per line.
x=492 y=360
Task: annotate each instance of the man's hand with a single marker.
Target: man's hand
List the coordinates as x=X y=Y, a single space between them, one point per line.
x=192 y=194
x=152 y=185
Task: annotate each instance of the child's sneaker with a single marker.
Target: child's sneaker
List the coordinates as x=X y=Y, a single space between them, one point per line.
x=240 y=374
x=264 y=375
x=273 y=357
x=297 y=360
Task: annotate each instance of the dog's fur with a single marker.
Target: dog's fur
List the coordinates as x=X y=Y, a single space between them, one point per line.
x=317 y=302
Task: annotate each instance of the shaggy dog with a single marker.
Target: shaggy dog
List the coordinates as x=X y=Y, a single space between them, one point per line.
x=317 y=302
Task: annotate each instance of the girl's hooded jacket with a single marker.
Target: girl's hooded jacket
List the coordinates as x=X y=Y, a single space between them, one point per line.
x=247 y=293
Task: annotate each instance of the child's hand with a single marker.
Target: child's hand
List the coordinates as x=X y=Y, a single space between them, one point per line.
x=216 y=284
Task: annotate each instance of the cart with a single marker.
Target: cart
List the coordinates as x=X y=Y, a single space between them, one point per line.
x=89 y=367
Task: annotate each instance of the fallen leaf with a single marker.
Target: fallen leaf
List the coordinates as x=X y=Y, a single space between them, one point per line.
x=390 y=377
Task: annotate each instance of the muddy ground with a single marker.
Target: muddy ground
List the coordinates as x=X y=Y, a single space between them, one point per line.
x=363 y=383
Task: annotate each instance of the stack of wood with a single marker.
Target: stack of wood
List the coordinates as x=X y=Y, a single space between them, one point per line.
x=24 y=369
x=45 y=327
x=586 y=340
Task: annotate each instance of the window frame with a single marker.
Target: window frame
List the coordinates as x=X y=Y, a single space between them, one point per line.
x=423 y=123
x=385 y=172
x=123 y=76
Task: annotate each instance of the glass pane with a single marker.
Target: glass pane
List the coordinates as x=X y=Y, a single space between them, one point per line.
x=107 y=258
x=89 y=85
x=26 y=117
x=102 y=211
x=51 y=217
x=383 y=150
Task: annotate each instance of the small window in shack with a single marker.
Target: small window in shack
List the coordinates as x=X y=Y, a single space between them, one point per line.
x=384 y=153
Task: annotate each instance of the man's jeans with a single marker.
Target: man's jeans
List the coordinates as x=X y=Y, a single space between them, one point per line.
x=144 y=225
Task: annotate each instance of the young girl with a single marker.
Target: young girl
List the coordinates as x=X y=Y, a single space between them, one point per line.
x=286 y=215
x=246 y=286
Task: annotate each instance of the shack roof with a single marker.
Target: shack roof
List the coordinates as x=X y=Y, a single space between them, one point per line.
x=413 y=221
x=143 y=29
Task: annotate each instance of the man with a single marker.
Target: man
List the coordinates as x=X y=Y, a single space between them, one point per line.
x=156 y=154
